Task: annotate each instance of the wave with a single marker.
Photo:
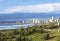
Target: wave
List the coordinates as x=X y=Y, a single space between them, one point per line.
x=14 y=26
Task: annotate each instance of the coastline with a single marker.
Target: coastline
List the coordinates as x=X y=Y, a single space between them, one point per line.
x=14 y=26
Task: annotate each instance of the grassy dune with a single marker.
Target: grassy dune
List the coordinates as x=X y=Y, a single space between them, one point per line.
x=54 y=34
x=34 y=33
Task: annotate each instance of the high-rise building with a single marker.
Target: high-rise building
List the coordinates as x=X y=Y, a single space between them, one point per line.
x=52 y=19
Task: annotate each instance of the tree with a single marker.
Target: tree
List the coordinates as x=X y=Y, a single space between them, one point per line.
x=42 y=29
x=47 y=36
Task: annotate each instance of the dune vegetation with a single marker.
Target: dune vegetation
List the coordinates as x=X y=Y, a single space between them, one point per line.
x=48 y=32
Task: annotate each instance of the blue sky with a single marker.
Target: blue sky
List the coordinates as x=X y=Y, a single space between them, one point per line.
x=13 y=4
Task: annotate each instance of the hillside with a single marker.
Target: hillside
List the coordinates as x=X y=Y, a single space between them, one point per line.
x=34 y=33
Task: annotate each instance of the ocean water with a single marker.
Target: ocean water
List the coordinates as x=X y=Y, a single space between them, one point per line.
x=13 y=26
x=23 y=16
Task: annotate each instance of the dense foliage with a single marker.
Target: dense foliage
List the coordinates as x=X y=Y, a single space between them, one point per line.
x=21 y=34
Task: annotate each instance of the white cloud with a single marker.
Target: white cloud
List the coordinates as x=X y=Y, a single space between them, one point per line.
x=38 y=8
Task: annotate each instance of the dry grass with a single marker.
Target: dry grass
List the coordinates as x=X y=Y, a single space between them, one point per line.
x=54 y=34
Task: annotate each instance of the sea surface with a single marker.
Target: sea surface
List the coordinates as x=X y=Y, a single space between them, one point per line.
x=13 y=26
x=23 y=16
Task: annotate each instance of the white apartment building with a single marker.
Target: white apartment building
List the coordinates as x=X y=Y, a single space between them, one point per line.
x=36 y=21
x=54 y=20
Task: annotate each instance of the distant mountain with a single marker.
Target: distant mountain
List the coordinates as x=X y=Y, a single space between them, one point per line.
x=19 y=16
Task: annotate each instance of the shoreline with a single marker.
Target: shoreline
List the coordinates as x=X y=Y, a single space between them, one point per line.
x=3 y=27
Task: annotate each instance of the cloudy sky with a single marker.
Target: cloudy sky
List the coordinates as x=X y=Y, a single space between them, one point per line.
x=29 y=6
